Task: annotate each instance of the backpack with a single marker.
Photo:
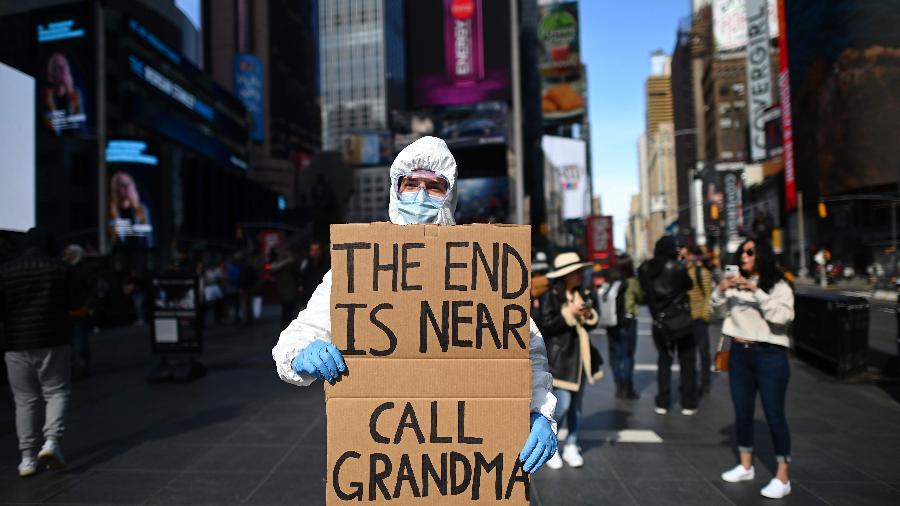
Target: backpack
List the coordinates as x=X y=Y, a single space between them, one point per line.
x=609 y=316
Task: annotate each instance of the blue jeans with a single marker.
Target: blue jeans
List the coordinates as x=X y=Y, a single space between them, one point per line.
x=568 y=406
x=760 y=367
x=622 y=343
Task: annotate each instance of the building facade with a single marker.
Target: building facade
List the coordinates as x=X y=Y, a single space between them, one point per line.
x=362 y=66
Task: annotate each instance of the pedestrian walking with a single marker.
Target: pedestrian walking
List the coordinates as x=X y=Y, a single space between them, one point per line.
x=313 y=270
x=36 y=298
x=701 y=313
x=567 y=314
x=84 y=293
x=622 y=336
x=665 y=283
x=758 y=306
x=287 y=283
x=423 y=178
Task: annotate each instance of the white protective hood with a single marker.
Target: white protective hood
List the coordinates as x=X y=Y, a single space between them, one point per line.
x=427 y=153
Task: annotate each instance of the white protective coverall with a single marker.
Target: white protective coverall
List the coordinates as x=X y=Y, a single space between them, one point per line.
x=314 y=322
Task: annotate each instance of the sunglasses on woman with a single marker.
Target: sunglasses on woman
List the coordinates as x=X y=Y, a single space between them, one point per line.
x=749 y=252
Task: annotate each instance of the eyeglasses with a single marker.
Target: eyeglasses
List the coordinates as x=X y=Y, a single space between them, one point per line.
x=749 y=252
x=435 y=186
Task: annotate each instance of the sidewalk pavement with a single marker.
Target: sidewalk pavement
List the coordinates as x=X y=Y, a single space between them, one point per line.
x=241 y=436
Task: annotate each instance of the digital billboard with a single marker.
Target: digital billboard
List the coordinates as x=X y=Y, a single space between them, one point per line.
x=64 y=66
x=460 y=126
x=459 y=51
x=562 y=75
x=17 y=177
x=482 y=200
x=134 y=189
x=845 y=92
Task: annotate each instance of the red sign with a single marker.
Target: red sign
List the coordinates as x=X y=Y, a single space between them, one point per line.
x=600 y=247
x=787 y=131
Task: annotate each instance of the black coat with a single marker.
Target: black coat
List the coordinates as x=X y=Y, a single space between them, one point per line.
x=569 y=348
x=665 y=283
x=36 y=295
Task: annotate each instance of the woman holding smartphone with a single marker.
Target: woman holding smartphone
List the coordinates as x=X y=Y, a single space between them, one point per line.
x=758 y=305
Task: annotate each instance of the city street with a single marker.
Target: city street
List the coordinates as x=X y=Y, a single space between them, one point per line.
x=241 y=436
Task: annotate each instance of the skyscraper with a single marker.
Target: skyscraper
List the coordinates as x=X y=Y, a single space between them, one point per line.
x=362 y=66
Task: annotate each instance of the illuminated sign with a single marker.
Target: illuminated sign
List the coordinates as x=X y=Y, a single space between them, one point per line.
x=59 y=30
x=163 y=84
x=123 y=151
x=154 y=41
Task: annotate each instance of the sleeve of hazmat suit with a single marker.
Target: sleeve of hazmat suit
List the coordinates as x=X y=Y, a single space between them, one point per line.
x=311 y=324
x=542 y=399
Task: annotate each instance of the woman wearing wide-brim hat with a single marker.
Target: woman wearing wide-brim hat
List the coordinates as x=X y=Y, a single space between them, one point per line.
x=567 y=314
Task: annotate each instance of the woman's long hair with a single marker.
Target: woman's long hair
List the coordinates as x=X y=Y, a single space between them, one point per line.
x=766 y=264
x=140 y=216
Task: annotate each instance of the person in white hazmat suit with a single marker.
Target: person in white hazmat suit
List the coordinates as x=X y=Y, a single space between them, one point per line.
x=423 y=190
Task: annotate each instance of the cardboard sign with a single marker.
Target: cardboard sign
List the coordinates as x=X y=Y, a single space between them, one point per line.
x=450 y=292
x=433 y=324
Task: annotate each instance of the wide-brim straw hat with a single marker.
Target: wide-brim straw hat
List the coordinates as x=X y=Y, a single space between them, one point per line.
x=566 y=263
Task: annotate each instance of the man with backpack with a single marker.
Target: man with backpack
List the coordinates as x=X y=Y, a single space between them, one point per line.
x=665 y=283
x=619 y=301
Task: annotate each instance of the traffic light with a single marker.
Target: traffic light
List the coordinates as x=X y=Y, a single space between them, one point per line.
x=714 y=212
x=823 y=210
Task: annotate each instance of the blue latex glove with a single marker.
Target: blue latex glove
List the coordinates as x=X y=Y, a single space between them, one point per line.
x=540 y=446
x=320 y=359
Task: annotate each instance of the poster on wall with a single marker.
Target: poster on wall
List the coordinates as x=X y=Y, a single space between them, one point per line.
x=64 y=68
x=472 y=63
x=133 y=193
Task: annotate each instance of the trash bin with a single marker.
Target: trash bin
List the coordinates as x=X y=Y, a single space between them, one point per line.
x=831 y=331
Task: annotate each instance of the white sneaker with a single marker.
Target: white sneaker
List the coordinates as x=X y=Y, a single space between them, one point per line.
x=555 y=461
x=51 y=456
x=561 y=434
x=739 y=473
x=28 y=467
x=688 y=412
x=776 y=489
x=572 y=456
x=662 y=411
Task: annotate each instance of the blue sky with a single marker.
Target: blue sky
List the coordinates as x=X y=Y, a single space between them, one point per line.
x=191 y=9
x=617 y=38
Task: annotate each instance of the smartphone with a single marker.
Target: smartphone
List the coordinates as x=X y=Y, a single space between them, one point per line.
x=732 y=270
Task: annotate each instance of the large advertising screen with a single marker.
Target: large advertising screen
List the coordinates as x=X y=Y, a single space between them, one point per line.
x=562 y=75
x=134 y=189
x=482 y=200
x=459 y=51
x=17 y=174
x=64 y=66
x=845 y=91
x=460 y=126
x=568 y=158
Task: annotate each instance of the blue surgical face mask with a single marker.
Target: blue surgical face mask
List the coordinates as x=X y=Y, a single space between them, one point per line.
x=419 y=207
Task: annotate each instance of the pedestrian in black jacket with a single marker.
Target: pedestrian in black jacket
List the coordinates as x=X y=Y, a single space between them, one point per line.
x=665 y=283
x=567 y=314
x=36 y=298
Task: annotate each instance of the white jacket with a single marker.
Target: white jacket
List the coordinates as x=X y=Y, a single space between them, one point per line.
x=756 y=316
x=314 y=322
